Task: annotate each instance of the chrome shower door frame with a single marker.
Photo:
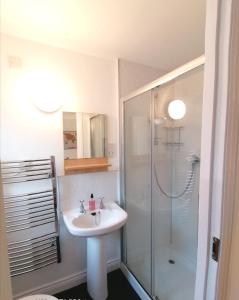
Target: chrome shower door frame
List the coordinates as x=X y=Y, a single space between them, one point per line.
x=149 y=87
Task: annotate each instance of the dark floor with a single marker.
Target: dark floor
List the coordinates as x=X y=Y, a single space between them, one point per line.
x=118 y=288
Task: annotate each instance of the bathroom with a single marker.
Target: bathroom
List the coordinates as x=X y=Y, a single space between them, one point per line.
x=159 y=163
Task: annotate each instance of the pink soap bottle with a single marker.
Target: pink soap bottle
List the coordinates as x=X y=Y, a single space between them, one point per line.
x=91 y=202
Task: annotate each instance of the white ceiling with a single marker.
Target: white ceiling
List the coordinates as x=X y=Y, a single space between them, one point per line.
x=158 y=33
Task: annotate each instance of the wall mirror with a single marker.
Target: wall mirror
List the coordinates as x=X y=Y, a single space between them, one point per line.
x=85 y=142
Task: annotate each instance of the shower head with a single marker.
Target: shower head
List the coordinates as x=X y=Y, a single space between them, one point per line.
x=194 y=159
x=160 y=120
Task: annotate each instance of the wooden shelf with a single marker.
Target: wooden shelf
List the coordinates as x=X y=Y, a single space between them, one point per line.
x=93 y=166
x=85 y=165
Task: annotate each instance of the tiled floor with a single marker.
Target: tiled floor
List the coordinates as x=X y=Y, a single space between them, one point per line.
x=118 y=286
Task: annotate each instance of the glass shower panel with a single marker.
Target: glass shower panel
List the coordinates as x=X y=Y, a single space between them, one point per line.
x=175 y=185
x=137 y=154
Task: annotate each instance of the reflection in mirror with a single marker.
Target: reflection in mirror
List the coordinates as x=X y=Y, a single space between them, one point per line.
x=85 y=135
x=97 y=135
x=85 y=142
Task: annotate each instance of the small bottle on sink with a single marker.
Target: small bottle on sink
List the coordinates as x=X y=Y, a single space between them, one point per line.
x=91 y=203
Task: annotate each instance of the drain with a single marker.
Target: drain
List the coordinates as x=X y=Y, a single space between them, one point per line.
x=156 y=298
x=171 y=261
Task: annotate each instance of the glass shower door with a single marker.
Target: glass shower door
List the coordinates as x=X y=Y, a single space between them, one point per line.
x=137 y=154
x=161 y=185
x=175 y=185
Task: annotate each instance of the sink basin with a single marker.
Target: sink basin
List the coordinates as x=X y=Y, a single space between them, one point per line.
x=95 y=226
x=101 y=222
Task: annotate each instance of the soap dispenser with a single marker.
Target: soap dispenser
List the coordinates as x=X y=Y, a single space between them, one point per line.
x=91 y=202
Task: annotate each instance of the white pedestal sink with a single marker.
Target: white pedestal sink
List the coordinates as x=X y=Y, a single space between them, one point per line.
x=94 y=227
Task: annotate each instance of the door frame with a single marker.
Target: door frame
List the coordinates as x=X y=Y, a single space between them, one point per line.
x=220 y=96
x=230 y=186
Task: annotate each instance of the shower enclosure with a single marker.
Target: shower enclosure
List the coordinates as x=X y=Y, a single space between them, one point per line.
x=161 y=137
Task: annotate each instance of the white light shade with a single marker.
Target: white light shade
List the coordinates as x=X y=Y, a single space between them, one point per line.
x=176 y=109
x=47 y=91
x=47 y=104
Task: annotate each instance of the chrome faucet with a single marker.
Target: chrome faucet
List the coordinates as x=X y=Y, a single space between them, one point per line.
x=82 y=208
x=102 y=206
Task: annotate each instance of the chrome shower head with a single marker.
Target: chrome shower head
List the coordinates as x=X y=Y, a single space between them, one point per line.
x=195 y=159
x=160 y=120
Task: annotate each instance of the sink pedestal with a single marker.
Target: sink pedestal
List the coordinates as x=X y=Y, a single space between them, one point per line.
x=95 y=229
x=96 y=268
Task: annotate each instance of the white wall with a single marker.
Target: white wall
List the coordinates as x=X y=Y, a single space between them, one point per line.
x=88 y=84
x=133 y=76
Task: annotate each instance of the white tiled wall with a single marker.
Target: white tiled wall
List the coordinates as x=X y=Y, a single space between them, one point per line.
x=74 y=188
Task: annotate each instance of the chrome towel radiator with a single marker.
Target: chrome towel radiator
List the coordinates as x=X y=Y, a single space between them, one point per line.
x=30 y=204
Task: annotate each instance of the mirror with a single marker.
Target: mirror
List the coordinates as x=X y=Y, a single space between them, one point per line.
x=85 y=135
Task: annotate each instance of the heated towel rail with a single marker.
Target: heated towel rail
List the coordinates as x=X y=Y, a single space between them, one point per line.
x=27 y=213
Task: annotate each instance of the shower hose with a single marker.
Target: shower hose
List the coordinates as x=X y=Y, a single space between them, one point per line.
x=188 y=184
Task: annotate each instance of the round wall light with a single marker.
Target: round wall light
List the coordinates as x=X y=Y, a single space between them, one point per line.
x=176 y=109
x=47 y=90
x=48 y=105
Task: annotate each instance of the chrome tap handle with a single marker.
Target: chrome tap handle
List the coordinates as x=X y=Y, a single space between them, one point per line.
x=102 y=206
x=82 y=208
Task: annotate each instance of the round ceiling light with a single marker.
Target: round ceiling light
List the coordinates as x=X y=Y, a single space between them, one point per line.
x=176 y=109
